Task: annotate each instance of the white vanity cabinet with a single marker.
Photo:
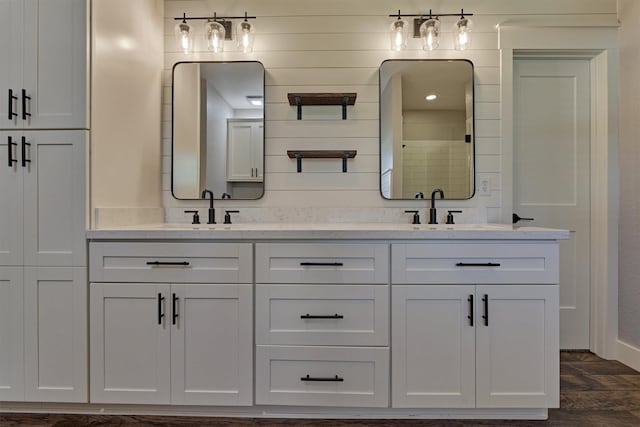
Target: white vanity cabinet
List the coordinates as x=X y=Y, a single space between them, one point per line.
x=485 y=335
x=43 y=45
x=322 y=314
x=171 y=323
x=245 y=146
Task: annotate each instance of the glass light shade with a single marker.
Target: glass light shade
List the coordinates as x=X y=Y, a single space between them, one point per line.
x=245 y=35
x=214 y=34
x=399 y=34
x=184 y=36
x=461 y=34
x=430 y=34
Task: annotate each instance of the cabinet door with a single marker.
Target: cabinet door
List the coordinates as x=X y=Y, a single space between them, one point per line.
x=55 y=334
x=11 y=183
x=54 y=199
x=242 y=138
x=11 y=333
x=11 y=29
x=212 y=344
x=433 y=347
x=130 y=343
x=517 y=360
x=55 y=63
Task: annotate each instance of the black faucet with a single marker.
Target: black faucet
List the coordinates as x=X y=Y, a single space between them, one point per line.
x=212 y=212
x=433 y=219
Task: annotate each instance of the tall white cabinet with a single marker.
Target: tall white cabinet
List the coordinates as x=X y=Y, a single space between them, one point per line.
x=245 y=146
x=43 y=137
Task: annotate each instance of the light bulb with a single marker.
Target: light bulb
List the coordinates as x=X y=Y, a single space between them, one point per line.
x=399 y=34
x=214 y=35
x=183 y=36
x=246 y=33
x=430 y=34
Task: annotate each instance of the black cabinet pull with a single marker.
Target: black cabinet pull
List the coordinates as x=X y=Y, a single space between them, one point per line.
x=25 y=144
x=160 y=311
x=470 y=316
x=10 y=145
x=174 y=308
x=24 y=105
x=334 y=379
x=175 y=263
x=485 y=316
x=321 y=264
x=12 y=98
x=477 y=264
x=330 y=316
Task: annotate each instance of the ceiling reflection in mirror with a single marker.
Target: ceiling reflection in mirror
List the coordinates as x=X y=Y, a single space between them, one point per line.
x=426 y=128
x=218 y=129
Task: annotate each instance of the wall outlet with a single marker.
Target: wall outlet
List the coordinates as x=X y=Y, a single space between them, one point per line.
x=484 y=185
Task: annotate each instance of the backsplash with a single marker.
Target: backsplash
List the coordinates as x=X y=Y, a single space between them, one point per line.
x=338 y=46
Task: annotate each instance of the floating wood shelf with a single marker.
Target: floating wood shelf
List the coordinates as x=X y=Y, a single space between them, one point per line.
x=344 y=99
x=321 y=154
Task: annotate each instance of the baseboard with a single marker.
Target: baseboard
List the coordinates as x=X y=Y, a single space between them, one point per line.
x=629 y=355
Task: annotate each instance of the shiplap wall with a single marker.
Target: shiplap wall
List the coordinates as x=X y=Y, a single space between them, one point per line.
x=337 y=46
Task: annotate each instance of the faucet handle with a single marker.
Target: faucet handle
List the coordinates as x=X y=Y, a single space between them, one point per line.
x=227 y=216
x=416 y=216
x=196 y=217
x=450 y=216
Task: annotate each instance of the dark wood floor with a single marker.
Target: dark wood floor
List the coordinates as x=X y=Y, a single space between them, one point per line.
x=593 y=392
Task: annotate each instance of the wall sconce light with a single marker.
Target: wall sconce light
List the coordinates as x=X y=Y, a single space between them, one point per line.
x=427 y=27
x=217 y=29
x=399 y=33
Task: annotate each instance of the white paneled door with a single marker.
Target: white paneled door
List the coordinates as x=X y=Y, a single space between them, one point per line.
x=551 y=173
x=11 y=337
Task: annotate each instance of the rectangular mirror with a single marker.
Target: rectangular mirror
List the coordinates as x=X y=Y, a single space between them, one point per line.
x=426 y=128
x=217 y=126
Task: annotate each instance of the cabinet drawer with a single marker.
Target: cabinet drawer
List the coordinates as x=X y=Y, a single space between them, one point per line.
x=170 y=262
x=322 y=376
x=466 y=262
x=322 y=263
x=322 y=314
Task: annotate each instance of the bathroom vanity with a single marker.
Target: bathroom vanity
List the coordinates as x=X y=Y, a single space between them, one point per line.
x=330 y=320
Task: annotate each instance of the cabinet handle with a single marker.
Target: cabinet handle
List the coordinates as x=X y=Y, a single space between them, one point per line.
x=485 y=316
x=330 y=316
x=25 y=144
x=160 y=311
x=10 y=145
x=334 y=379
x=24 y=105
x=256 y=172
x=174 y=308
x=470 y=316
x=169 y=263
x=12 y=98
x=321 y=264
x=477 y=264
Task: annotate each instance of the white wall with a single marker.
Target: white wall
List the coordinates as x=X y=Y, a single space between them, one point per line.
x=126 y=83
x=338 y=45
x=629 y=284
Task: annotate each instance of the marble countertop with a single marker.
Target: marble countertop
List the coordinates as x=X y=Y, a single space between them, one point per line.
x=370 y=231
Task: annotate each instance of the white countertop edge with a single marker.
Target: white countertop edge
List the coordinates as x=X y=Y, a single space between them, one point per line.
x=328 y=231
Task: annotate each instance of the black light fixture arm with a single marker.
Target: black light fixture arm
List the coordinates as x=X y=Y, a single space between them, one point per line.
x=430 y=14
x=215 y=17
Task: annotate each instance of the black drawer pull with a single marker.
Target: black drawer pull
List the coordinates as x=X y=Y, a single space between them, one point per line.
x=160 y=311
x=321 y=264
x=25 y=144
x=180 y=263
x=332 y=316
x=477 y=264
x=470 y=316
x=12 y=98
x=10 y=145
x=334 y=379
x=174 y=308
x=25 y=114
x=485 y=316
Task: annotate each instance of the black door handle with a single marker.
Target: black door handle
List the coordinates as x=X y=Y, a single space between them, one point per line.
x=10 y=144
x=24 y=105
x=322 y=264
x=477 y=264
x=179 y=263
x=160 y=311
x=334 y=379
x=485 y=316
x=25 y=144
x=12 y=98
x=174 y=308
x=470 y=316
x=332 y=316
x=515 y=217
